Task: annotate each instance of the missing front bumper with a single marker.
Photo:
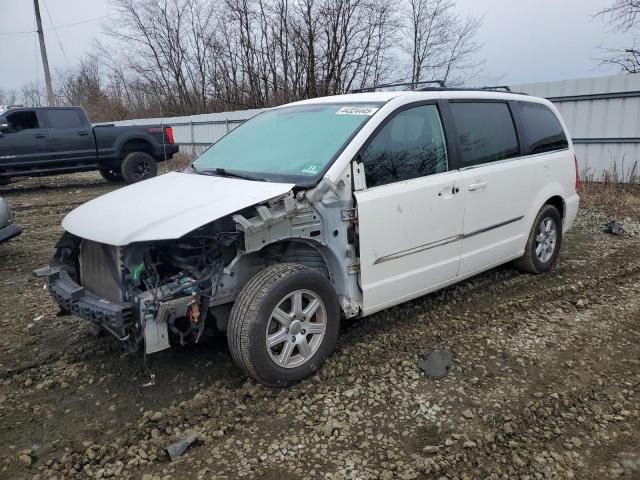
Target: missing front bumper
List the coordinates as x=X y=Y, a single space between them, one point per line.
x=75 y=299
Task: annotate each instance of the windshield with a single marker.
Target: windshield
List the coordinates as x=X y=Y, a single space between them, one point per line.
x=294 y=144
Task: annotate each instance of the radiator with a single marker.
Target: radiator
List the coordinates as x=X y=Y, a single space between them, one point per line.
x=100 y=270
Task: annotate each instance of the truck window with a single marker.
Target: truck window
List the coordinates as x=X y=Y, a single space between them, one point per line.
x=411 y=145
x=19 y=121
x=542 y=130
x=485 y=132
x=65 y=118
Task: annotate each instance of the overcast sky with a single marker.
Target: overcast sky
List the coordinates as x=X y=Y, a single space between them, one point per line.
x=524 y=40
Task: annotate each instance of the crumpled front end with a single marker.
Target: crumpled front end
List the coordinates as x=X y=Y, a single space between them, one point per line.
x=154 y=293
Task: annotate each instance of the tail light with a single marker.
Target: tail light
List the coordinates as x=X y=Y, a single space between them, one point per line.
x=575 y=163
x=168 y=131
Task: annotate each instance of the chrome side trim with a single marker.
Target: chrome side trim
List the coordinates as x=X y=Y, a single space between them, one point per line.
x=444 y=241
x=421 y=248
x=492 y=227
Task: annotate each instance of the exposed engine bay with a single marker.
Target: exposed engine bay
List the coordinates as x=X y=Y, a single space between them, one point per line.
x=165 y=287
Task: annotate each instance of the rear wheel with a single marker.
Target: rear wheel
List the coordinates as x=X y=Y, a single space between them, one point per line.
x=284 y=324
x=111 y=175
x=138 y=166
x=543 y=245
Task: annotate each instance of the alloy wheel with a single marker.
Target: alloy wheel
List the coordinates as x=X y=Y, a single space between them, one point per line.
x=296 y=328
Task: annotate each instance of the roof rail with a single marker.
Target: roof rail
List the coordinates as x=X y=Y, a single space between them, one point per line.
x=506 y=88
x=406 y=84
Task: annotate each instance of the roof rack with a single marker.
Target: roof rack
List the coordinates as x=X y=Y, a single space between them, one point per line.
x=406 y=84
x=506 y=88
x=500 y=88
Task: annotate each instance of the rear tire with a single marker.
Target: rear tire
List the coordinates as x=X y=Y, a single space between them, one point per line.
x=138 y=166
x=111 y=175
x=543 y=245
x=284 y=324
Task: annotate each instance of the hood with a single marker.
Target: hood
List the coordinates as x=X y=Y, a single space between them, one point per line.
x=166 y=207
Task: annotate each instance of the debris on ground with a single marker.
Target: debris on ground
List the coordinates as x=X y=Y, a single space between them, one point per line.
x=176 y=449
x=613 y=228
x=548 y=367
x=436 y=364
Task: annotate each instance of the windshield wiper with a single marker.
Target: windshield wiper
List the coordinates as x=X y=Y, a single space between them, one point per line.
x=223 y=172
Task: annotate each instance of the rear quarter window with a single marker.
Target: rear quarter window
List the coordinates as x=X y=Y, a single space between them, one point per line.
x=541 y=128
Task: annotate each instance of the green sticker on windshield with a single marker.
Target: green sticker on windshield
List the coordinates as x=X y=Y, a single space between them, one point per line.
x=311 y=168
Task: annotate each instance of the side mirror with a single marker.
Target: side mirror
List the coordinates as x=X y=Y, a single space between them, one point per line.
x=4 y=125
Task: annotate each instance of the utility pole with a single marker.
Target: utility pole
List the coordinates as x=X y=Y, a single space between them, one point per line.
x=43 y=54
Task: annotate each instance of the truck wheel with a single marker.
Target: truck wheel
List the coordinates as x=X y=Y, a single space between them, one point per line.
x=283 y=324
x=111 y=175
x=138 y=166
x=543 y=245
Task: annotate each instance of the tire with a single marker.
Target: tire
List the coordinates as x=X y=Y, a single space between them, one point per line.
x=111 y=175
x=295 y=353
x=138 y=166
x=541 y=252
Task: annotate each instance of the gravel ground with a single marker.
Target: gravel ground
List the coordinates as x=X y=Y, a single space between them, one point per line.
x=545 y=381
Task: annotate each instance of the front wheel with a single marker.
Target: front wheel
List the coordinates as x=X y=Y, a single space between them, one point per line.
x=543 y=245
x=284 y=324
x=138 y=166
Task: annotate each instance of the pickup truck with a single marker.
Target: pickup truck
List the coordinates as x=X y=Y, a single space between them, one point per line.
x=53 y=140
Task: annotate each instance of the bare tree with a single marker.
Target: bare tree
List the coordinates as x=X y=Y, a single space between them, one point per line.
x=33 y=95
x=441 y=44
x=174 y=57
x=624 y=16
x=8 y=97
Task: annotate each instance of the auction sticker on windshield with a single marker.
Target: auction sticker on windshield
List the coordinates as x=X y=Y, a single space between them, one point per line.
x=311 y=168
x=368 y=111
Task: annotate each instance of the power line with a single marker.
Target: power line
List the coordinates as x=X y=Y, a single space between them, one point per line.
x=56 y=28
x=56 y=32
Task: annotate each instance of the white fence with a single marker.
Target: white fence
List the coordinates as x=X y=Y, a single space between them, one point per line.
x=603 y=116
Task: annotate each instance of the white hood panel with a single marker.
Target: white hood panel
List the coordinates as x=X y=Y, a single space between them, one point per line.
x=166 y=207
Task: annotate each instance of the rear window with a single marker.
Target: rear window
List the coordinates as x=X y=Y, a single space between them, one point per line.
x=65 y=118
x=485 y=132
x=542 y=129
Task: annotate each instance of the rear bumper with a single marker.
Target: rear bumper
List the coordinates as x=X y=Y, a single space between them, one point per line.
x=9 y=232
x=75 y=299
x=167 y=152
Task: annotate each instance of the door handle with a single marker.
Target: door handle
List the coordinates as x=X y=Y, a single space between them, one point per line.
x=40 y=135
x=83 y=132
x=478 y=186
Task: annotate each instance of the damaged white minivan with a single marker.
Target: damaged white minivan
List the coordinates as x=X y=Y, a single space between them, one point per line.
x=314 y=211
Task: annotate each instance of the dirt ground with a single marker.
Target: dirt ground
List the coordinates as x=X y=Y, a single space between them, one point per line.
x=545 y=381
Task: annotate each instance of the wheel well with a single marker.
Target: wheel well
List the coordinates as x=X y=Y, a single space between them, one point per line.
x=557 y=202
x=135 y=145
x=297 y=251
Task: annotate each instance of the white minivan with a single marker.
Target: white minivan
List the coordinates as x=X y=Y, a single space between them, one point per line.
x=317 y=211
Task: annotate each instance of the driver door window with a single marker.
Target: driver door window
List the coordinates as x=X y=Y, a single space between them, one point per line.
x=410 y=145
x=20 y=121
